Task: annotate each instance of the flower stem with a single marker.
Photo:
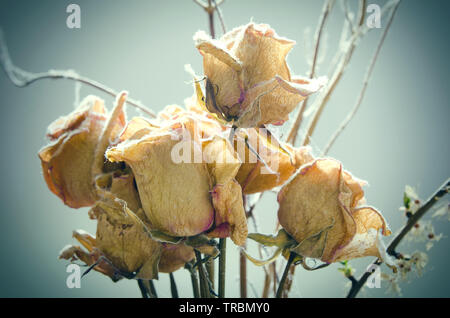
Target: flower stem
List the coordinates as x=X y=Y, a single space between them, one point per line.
x=285 y=274
x=222 y=266
x=173 y=286
x=243 y=274
x=142 y=288
x=204 y=288
x=210 y=271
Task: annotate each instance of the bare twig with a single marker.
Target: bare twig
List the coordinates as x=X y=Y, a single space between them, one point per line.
x=365 y=84
x=328 y=5
x=22 y=78
x=341 y=67
x=210 y=7
x=442 y=191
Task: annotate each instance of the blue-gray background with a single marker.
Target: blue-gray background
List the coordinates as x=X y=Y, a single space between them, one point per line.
x=399 y=136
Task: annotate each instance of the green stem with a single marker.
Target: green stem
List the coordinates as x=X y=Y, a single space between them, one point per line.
x=285 y=274
x=173 y=286
x=222 y=266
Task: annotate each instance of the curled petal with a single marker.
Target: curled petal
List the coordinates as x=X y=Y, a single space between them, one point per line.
x=67 y=162
x=230 y=215
x=369 y=222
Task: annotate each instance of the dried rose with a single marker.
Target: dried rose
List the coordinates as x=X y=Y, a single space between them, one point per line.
x=249 y=81
x=175 y=195
x=67 y=161
x=321 y=209
x=281 y=159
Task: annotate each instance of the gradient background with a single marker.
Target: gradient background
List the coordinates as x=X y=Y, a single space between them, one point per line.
x=399 y=136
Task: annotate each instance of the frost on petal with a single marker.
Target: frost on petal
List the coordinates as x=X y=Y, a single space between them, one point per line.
x=312 y=203
x=262 y=52
x=230 y=219
x=174 y=257
x=276 y=98
x=366 y=241
x=136 y=128
x=174 y=195
x=67 y=161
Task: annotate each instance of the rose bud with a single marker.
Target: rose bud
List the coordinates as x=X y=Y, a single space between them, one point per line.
x=248 y=80
x=321 y=209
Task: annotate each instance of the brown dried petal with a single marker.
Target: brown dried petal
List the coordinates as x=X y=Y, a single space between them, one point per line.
x=175 y=196
x=250 y=174
x=174 y=257
x=248 y=66
x=67 y=161
x=125 y=243
x=317 y=199
x=230 y=218
x=365 y=242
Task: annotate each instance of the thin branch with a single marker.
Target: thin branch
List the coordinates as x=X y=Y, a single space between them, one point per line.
x=365 y=85
x=442 y=191
x=328 y=5
x=210 y=7
x=345 y=59
x=219 y=14
x=22 y=78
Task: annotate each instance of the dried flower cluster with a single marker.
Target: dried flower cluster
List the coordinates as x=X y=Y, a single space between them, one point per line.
x=153 y=211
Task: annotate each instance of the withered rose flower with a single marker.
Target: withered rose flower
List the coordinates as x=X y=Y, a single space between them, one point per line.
x=322 y=209
x=282 y=161
x=247 y=73
x=67 y=161
x=176 y=194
